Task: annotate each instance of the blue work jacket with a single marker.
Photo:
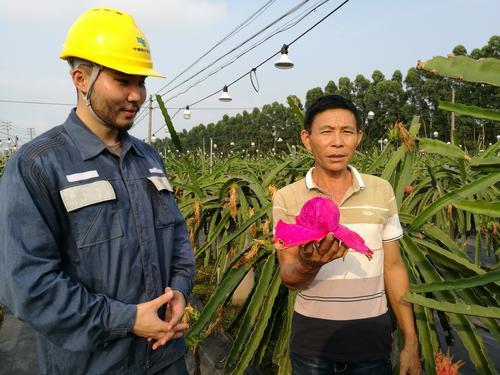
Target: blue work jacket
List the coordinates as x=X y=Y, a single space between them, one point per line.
x=84 y=237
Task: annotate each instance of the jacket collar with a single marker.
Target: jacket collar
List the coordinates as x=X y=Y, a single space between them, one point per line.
x=88 y=144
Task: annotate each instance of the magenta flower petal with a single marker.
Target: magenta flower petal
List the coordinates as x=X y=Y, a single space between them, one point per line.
x=352 y=240
x=293 y=235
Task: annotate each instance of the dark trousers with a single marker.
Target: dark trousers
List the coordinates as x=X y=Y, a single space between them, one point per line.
x=302 y=365
x=176 y=368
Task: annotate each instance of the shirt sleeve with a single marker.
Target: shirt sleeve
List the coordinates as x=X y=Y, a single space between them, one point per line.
x=32 y=283
x=183 y=262
x=280 y=210
x=392 y=228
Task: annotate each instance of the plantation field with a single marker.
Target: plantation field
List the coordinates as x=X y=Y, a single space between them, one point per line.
x=445 y=198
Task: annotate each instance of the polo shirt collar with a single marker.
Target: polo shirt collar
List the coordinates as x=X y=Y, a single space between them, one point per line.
x=357 y=181
x=87 y=143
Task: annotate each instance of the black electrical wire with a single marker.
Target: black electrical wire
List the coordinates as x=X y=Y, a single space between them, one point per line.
x=273 y=55
x=32 y=102
x=292 y=10
x=285 y=27
x=244 y=24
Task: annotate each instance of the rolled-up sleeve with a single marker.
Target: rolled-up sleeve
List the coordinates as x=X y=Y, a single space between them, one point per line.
x=32 y=283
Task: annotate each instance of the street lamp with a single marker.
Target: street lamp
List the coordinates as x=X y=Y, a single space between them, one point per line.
x=435 y=134
x=369 y=117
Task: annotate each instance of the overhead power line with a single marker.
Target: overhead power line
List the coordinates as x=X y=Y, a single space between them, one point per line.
x=290 y=11
x=240 y=27
x=273 y=55
x=291 y=23
x=282 y=28
x=33 y=102
x=286 y=14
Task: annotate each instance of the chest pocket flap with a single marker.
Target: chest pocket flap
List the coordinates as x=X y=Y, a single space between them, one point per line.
x=76 y=197
x=161 y=183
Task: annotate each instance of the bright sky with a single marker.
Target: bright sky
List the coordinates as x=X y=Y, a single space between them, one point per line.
x=362 y=36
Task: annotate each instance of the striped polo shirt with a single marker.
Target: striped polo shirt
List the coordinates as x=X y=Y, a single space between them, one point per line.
x=342 y=314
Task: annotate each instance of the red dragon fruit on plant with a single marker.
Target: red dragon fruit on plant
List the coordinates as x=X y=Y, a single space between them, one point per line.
x=318 y=217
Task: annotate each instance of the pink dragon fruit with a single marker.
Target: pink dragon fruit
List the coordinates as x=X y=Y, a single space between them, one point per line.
x=318 y=217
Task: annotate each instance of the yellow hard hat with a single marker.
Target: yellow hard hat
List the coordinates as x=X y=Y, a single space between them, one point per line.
x=110 y=38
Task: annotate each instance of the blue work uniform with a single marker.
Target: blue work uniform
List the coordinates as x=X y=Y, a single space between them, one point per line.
x=84 y=237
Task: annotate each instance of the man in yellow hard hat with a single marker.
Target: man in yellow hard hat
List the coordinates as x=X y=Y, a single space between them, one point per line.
x=94 y=252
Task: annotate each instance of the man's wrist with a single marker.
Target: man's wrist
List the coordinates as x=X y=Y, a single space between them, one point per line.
x=307 y=268
x=410 y=340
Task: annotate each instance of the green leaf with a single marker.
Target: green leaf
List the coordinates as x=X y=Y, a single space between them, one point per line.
x=393 y=162
x=489 y=164
x=465 y=329
x=470 y=110
x=260 y=326
x=219 y=297
x=252 y=312
x=434 y=146
x=457 y=308
x=457 y=258
x=244 y=226
x=414 y=126
x=382 y=159
x=491 y=209
x=168 y=121
x=480 y=184
x=212 y=236
x=465 y=68
x=294 y=105
x=469 y=282
x=272 y=174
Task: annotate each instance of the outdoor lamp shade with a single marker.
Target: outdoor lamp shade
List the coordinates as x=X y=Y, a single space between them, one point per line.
x=284 y=62
x=225 y=95
x=187 y=113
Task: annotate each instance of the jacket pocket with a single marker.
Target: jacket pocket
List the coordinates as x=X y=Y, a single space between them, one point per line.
x=161 y=199
x=92 y=211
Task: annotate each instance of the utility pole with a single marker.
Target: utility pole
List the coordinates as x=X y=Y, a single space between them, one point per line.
x=452 y=132
x=31 y=132
x=6 y=125
x=150 y=122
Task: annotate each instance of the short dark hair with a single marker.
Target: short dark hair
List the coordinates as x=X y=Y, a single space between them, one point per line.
x=326 y=102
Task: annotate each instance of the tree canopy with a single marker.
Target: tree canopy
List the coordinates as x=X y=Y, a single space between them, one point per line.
x=393 y=99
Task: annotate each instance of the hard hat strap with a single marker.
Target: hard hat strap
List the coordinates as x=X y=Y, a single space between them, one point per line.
x=96 y=69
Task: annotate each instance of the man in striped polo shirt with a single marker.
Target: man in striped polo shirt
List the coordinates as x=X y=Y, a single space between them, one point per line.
x=341 y=322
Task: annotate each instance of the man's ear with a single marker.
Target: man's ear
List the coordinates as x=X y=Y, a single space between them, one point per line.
x=360 y=137
x=304 y=136
x=80 y=76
